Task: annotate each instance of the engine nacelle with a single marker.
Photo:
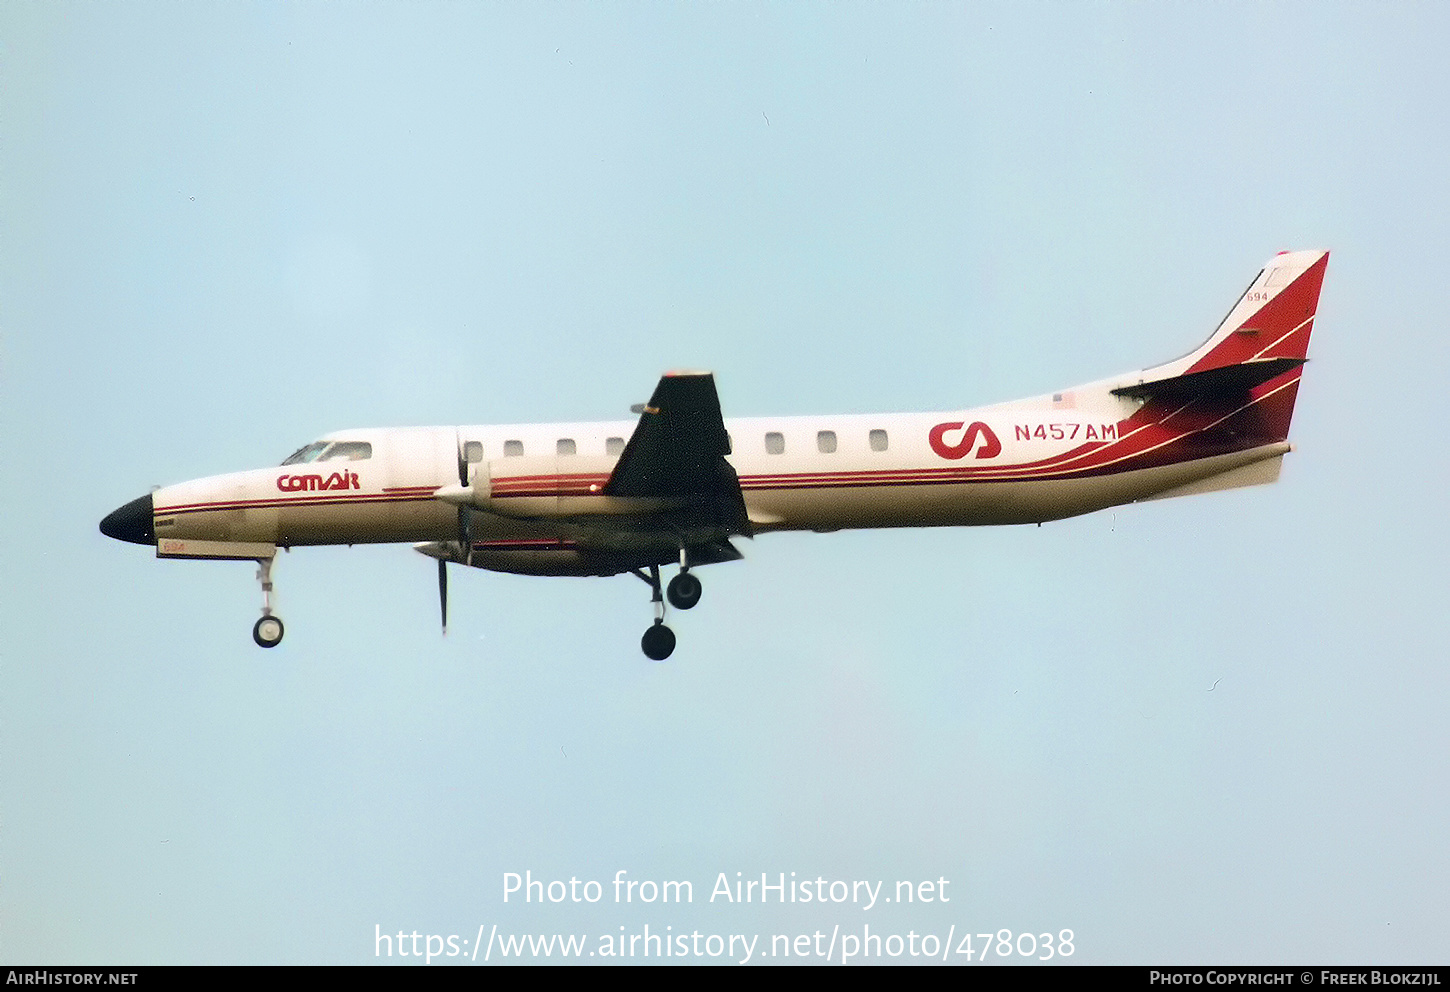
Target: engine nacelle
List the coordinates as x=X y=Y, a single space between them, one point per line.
x=540 y=487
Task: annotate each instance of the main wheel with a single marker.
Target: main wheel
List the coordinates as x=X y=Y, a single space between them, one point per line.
x=267 y=632
x=684 y=591
x=658 y=643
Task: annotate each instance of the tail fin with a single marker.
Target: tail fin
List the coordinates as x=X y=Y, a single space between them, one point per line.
x=1249 y=369
x=1271 y=320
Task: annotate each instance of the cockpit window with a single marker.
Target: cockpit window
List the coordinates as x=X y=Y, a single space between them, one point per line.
x=306 y=454
x=352 y=451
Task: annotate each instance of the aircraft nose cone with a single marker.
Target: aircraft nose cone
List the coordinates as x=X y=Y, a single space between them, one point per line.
x=132 y=522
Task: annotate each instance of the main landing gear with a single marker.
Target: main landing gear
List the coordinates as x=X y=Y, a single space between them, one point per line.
x=684 y=590
x=267 y=632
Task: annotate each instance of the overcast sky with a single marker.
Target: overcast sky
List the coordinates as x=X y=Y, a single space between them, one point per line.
x=1204 y=730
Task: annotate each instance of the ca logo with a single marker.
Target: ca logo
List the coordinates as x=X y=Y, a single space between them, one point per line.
x=990 y=449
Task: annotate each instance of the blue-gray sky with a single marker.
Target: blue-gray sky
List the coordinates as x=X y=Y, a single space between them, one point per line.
x=230 y=228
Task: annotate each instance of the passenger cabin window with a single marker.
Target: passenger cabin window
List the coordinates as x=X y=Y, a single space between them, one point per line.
x=775 y=443
x=878 y=440
x=613 y=445
x=349 y=451
x=511 y=448
x=826 y=442
x=566 y=446
x=473 y=451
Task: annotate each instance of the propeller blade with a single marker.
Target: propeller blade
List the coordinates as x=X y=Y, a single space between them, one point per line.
x=443 y=592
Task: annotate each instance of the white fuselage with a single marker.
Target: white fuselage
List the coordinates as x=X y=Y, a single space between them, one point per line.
x=797 y=473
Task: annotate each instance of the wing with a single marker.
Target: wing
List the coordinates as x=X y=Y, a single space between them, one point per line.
x=678 y=453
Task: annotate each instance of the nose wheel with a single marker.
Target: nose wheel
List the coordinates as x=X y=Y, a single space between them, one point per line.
x=267 y=632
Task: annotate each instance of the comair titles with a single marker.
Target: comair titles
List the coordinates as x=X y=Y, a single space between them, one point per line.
x=308 y=483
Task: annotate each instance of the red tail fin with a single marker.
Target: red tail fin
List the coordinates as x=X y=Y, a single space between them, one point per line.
x=1274 y=317
x=1239 y=388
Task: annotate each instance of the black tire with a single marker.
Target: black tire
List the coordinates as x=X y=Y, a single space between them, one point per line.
x=658 y=643
x=684 y=591
x=267 y=632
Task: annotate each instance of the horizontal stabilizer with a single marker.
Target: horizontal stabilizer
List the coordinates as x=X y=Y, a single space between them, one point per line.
x=1227 y=381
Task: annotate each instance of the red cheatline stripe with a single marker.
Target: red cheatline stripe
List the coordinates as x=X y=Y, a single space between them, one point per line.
x=1088 y=460
x=1095 y=458
x=258 y=504
x=590 y=476
x=534 y=483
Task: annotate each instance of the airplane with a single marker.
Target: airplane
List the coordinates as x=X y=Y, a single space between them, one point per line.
x=679 y=484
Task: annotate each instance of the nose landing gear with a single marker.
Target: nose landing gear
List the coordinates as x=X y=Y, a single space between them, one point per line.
x=267 y=632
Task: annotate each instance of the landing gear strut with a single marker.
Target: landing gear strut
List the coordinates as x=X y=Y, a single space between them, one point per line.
x=267 y=632
x=658 y=643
